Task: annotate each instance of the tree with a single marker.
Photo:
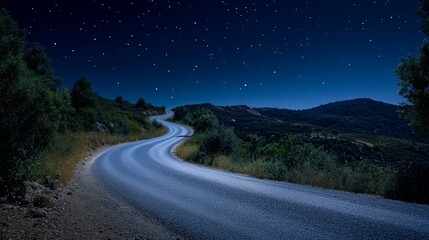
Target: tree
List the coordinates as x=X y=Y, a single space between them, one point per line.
x=180 y=113
x=256 y=144
x=204 y=122
x=39 y=62
x=29 y=113
x=414 y=82
x=423 y=12
x=218 y=140
x=141 y=103
x=82 y=95
x=119 y=99
x=413 y=74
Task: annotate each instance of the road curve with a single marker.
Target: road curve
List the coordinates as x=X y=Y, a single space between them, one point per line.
x=203 y=203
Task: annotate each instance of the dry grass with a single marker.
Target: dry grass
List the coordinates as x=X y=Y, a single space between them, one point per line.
x=69 y=149
x=187 y=151
x=363 y=177
x=222 y=162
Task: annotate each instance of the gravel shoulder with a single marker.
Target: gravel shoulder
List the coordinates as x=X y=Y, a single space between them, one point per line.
x=80 y=210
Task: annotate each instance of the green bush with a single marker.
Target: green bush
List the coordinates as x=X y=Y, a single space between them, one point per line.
x=218 y=141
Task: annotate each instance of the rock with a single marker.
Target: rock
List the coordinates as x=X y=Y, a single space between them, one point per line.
x=5 y=224
x=101 y=127
x=26 y=199
x=6 y=206
x=38 y=213
x=35 y=194
x=42 y=201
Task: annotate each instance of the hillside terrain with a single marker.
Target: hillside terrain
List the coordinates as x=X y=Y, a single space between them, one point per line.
x=355 y=128
x=356 y=136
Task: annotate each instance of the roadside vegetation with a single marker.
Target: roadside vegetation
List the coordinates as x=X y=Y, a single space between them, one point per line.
x=46 y=129
x=355 y=162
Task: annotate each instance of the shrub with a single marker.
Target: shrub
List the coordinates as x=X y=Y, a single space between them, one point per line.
x=204 y=122
x=218 y=141
x=411 y=183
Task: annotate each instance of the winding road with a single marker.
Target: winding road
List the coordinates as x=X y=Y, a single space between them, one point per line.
x=203 y=203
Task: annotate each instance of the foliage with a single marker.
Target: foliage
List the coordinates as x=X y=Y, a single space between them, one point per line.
x=204 y=122
x=180 y=113
x=82 y=95
x=414 y=82
x=120 y=100
x=30 y=113
x=141 y=103
x=39 y=62
x=218 y=141
x=413 y=74
x=423 y=12
x=411 y=183
x=200 y=119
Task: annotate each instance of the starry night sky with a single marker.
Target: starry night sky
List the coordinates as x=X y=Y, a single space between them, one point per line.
x=288 y=54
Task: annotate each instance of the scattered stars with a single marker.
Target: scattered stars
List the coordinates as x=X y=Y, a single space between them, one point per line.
x=240 y=45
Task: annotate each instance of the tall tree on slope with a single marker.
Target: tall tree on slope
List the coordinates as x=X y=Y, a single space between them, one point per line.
x=413 y=73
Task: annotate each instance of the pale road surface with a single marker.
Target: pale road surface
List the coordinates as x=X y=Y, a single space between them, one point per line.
x=203 y=203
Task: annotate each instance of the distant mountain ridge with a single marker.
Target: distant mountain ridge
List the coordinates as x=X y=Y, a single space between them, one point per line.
x=362 y=115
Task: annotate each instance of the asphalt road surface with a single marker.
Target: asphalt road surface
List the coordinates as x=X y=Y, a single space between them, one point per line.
x=203 y=203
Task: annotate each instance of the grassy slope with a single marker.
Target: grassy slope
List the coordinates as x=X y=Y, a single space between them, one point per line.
x=351 y=125
x=366 y=160
x=125 y=123
x=69 y=149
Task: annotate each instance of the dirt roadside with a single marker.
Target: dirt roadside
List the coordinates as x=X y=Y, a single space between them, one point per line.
x=80 y=210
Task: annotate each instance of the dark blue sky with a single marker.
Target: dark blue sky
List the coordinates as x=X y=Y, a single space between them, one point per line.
x=287 y=54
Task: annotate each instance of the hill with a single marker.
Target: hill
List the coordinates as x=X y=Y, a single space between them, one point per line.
x=363 y=116
x=358 y=145
x=353 y=129
x=353 y=116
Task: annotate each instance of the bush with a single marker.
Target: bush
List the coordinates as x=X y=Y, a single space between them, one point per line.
x=180 y=113
x=411 y=183
x=218 y=141
x=204 y=122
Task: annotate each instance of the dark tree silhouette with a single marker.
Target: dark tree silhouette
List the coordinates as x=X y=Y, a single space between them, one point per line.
x=423 y=12
x=30 y=111
x=82 y=95
x=413 y=73
x=141 y=103
x=119 y=99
